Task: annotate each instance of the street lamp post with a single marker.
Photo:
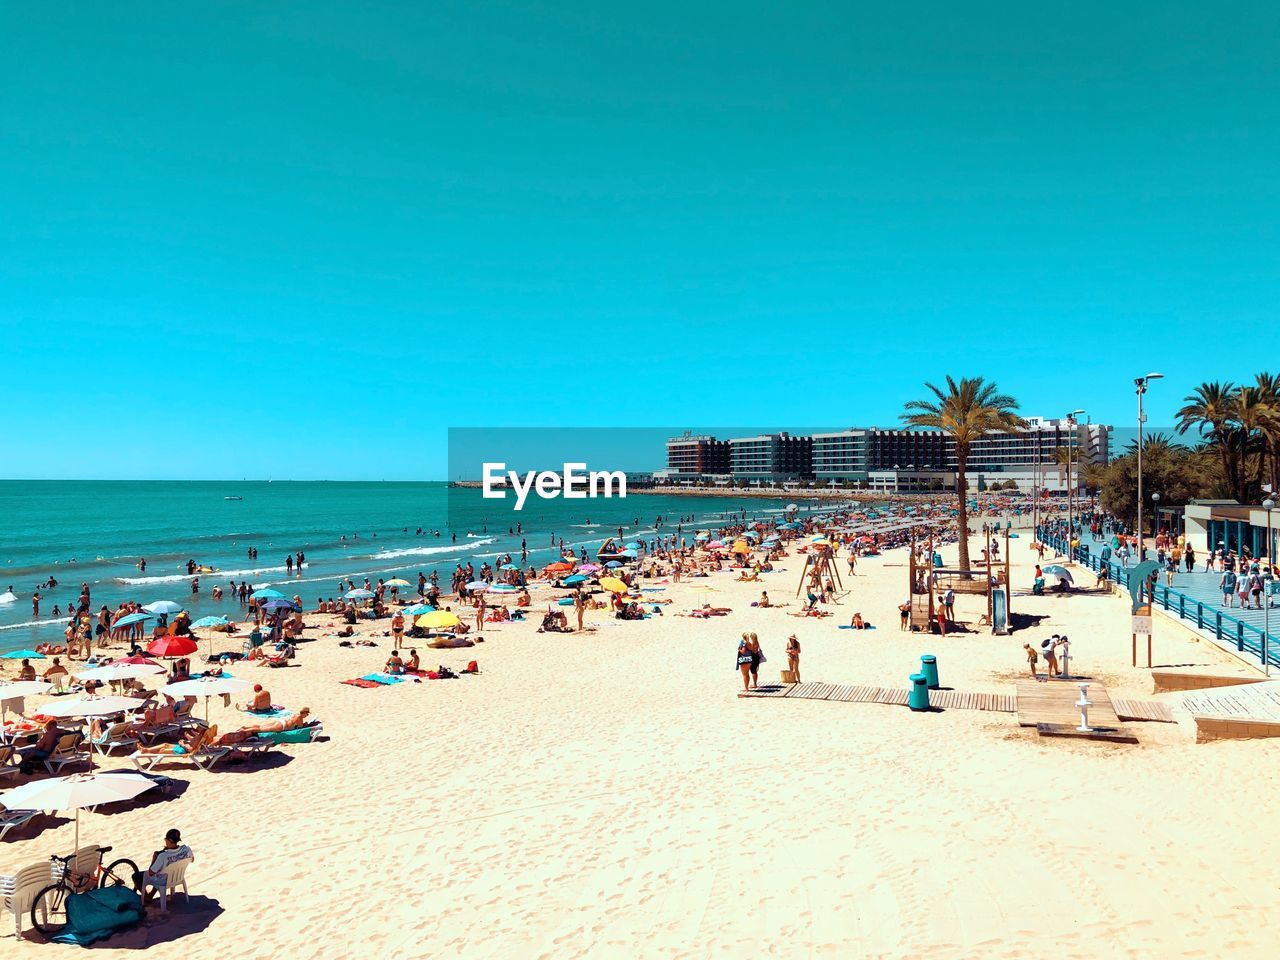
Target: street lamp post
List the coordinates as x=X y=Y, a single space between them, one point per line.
x=1141 y=384
x=1155 y=515
x=1071 y=436
x=1269 y=505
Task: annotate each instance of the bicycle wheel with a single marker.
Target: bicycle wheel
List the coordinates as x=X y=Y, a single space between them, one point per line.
x=119 y=874
x=49 y=910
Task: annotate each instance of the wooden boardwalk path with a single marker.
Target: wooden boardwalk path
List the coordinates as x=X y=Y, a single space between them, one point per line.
x=1054 y=702
x=1149 y=710
x=895 y=696
x=1255 y=701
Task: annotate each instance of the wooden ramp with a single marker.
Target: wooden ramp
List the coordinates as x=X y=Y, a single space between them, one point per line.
x=894 y=696
x=1237 y=712
x=1054 y=702
x=1176 y=678
x=1148 y=710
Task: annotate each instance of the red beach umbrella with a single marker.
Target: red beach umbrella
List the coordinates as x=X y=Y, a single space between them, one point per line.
x=171 y=647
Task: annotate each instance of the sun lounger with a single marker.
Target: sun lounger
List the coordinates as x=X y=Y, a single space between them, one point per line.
x=29 y=881
x=204 y=758
x=10 y=762
x=117 y=735
x=68 y=750
x=12 y=819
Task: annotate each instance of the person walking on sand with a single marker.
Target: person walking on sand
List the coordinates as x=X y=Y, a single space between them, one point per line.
x=397 y=627
x=757 y=658
x=793 y=657
x=1049 y=648
x=1032 y=658
x=579 y=607
x=743 y=661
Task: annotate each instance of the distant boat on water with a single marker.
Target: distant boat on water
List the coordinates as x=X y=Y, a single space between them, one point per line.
x=233 y=498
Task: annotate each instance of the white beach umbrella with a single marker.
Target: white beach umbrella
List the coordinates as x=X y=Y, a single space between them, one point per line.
x=207 y=687
x=122 y=671
x=90 y=707
x=75 y=792
x=16 y=689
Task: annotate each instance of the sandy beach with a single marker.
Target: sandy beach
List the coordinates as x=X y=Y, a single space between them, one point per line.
x=608 y=794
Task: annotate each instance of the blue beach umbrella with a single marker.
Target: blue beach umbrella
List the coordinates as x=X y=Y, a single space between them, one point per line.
x=162 y=607
x=210 y=622
x=279 y=604
x=415 y=609
x=613 y=564
x=508 y=566
x=629 y=553
x=359 y=594
x=1056 y=570
x=21 y=655
x=506 y=588
x=574 y=580
x=130 y=620
x=266 y=594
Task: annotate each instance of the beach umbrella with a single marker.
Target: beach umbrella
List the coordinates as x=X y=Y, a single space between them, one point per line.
x=613 y=585
x=210 y=622
x=477 y=586
x=508 y=566
x=14 y=689
x=358 y=594
x=438 y=618
x=90 y=707
x=415 y=609
x=75 y=792
x=280 y=603
x=628 y=553
x=168 y=646
x=636 y=546
x=130 y=619
x=266 y=594
x=22 y=688
x=716 y=544
x=206 y=687
x=557 y=567
x=740 y=546
x=138 y=658
x=590 y=567
x=575 y=580
x=21 y=655
x=162 y=607
x=396 y=582
x=613 y=564
x=122 y=671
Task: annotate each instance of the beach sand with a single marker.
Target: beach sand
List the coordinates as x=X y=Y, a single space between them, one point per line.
x=607 y=794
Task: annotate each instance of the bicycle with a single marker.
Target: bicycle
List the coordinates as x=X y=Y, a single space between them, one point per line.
x=49 y=908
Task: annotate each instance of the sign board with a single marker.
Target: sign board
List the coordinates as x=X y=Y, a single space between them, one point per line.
x=1141 y=624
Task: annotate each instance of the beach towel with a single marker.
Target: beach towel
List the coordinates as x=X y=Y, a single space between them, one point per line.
x=383 y=678
x=361 y=682
x=300 y=735
x=99 y=913
x=849 y=626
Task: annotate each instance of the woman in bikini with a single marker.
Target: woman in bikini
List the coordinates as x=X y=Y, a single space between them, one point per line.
x=793 y=657
x=745 y=660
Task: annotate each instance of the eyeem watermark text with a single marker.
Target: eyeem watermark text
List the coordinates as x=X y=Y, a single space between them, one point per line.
x=574 y=483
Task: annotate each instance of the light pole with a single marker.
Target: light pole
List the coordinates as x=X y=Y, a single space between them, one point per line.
x=1141 y=384
x=1268 y=505
x=1071 y=436
x=1155 y=515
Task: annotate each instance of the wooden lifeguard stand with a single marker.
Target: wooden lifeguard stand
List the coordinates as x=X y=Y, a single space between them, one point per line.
x=819 y=562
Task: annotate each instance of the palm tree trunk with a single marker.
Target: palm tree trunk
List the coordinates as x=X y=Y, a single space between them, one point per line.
x=962 y=490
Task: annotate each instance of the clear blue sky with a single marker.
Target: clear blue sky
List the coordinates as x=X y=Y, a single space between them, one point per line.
x=302 y=239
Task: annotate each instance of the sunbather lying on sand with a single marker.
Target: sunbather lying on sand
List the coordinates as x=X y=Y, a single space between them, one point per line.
x=299 y=719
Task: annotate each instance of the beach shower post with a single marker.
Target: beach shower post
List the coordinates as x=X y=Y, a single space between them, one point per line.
x=1084 y=704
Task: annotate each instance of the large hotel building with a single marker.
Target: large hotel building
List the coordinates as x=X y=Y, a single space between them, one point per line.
x=888 y=460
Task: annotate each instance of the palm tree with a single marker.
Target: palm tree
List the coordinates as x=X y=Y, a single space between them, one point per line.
x=965 y=411
x=1268 y=387
x=1210 y=408
x=1250 y=414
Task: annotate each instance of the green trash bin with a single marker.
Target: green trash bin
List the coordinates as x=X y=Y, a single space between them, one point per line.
x=918 y=698
x=929 y=667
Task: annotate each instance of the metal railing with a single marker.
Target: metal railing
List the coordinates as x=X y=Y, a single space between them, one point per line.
x=1228 y=629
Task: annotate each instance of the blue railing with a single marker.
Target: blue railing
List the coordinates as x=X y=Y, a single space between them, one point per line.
x=1245 y=636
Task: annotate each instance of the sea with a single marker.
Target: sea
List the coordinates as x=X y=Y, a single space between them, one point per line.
x=96 y=532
